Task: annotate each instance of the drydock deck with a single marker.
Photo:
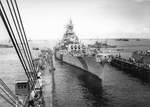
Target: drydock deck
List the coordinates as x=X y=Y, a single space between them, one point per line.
x=136 y=69
x=47 y=80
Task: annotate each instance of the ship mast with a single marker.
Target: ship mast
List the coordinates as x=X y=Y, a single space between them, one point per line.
x=70 y=26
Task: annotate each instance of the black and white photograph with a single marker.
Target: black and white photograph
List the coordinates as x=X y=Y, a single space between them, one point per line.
x=74 y=53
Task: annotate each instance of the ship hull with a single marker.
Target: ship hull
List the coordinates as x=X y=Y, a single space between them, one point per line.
x=85 y=63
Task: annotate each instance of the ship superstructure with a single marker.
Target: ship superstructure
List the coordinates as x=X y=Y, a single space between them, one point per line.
x=69 y=36
x=70 y=42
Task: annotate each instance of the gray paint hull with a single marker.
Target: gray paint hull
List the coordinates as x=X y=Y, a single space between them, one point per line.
x=85 y=63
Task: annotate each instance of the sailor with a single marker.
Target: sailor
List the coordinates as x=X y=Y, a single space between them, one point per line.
x=31 y=101
x=32 y=94
x=39 y=74
x=40 y=82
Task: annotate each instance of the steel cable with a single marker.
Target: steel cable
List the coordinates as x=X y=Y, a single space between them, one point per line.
x=14 y=41
x=24 y=34
x=20 y=37
x=6 y=88
x=7 y=100
x=8 y=95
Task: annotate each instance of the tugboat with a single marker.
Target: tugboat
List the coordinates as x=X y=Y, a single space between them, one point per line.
x=71 y=51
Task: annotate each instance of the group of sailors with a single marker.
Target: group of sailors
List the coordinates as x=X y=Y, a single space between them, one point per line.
x=133 y=61
x=146 y=52
x=43 y=61
x=36 y=94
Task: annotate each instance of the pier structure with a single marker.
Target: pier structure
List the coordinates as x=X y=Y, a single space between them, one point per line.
x=139 y=70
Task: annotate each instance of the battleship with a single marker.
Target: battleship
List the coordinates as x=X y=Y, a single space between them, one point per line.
x=70 y=50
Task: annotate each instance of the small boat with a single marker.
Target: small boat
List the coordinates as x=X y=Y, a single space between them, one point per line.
x=35 y=48
x=137 y=39
x=122 y=39
x=120 y=49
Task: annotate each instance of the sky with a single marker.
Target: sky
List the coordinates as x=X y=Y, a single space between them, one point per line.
x=46 y=19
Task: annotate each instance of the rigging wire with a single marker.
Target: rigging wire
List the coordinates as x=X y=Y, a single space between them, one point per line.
x=7 y=100
x=25 y=38
x=6 y=88
x=12 y=99
x=20 y=36
x=14 y=41
x=24 y=33
x=9 y=91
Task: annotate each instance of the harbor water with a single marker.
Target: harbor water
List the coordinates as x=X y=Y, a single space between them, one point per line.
x=75 y=88
x=117 y=89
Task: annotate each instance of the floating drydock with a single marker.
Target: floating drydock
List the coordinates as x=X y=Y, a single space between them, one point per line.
x=136 y=69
